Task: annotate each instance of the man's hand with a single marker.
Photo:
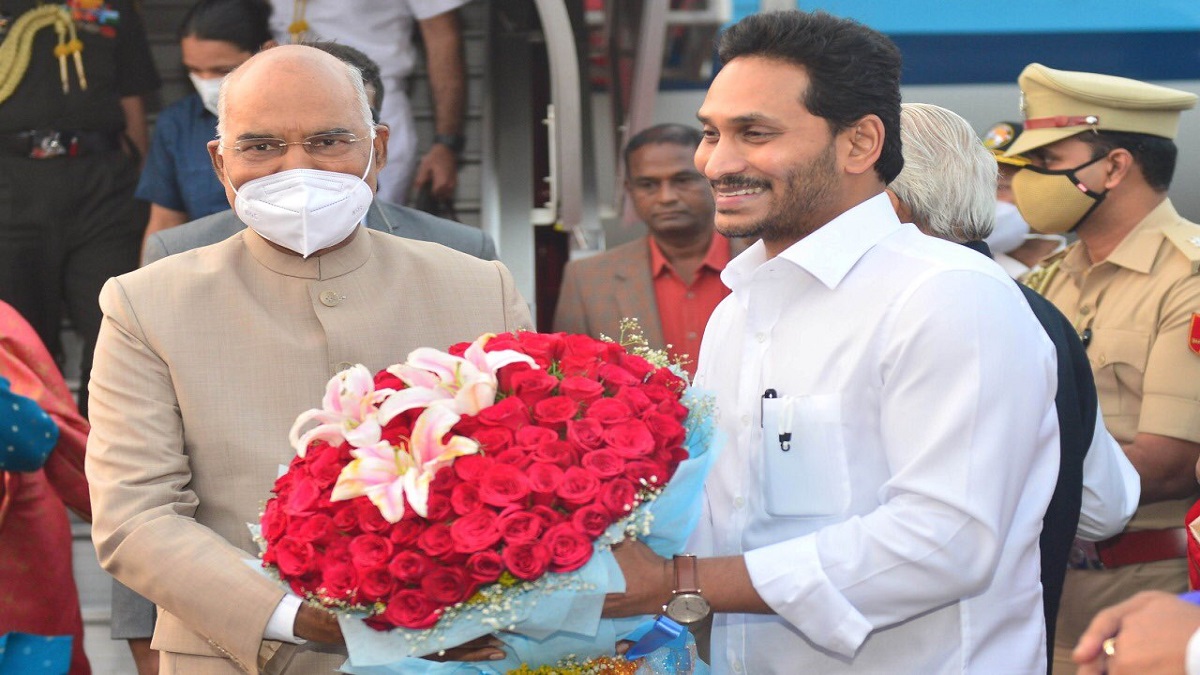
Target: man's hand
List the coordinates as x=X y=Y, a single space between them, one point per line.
x=438 y=169
x=313 y=623
x=649 y=581
x=1150 y=633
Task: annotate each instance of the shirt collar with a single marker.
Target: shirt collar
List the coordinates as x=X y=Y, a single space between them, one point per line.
x=715 y=258
x=831 y=251
x=326 y=266
x=1139 y=249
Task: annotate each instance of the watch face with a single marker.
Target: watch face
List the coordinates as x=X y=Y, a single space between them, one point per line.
x=688 y=608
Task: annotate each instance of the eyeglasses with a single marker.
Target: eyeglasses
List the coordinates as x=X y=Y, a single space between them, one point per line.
x=322 y=147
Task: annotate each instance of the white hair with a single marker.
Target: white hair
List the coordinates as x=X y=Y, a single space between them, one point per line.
x=353 y=74
x=949 y=177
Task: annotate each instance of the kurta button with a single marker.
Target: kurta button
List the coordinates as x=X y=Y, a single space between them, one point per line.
x=344 y=365
x=330 y=298
x=1085 y=310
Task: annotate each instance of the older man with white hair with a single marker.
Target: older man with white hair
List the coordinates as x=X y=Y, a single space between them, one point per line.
x=948 y=189
x=206 y=357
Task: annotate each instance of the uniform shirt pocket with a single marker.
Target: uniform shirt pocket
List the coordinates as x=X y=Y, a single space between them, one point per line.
x=1119 y=363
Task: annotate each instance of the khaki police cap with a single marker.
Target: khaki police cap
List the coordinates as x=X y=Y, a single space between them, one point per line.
x=1061 y=103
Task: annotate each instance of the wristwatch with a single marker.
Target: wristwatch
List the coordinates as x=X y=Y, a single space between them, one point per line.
x=686 y=605
x=455 y=142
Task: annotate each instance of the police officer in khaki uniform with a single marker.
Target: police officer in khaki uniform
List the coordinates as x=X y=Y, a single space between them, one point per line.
x=1102 y=157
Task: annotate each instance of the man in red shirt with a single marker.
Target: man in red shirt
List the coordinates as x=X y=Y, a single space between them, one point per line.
x=669 y=280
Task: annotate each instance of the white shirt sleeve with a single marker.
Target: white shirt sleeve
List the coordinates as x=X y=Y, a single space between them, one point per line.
x=1193 y=654
x=283 y=621
x=1111 y=487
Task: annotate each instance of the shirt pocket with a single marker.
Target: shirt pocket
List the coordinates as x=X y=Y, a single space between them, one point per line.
x=804 y=464
x=1119 y=363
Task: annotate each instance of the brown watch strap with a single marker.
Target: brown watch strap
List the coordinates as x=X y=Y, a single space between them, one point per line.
x=687 y=574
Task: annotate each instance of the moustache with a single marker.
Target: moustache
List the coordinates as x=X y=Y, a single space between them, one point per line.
x=740 y=183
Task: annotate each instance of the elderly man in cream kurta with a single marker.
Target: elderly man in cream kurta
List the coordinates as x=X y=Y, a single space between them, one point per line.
x=206 y=358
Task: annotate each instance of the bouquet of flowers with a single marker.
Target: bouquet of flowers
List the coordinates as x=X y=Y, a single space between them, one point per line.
x=478 y=490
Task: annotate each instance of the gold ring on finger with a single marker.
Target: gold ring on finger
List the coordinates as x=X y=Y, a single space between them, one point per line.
x=1109 y=646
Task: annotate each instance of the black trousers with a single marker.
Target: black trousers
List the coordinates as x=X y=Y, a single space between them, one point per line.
x=67 y=224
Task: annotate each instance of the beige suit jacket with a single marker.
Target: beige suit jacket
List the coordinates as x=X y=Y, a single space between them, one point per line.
x=204 y=361
x=601 y=290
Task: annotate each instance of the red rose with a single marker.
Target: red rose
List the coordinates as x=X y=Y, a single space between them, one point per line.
x=630 y=440
x=555 y=410
x=503 y=485
x=664 y=377
x=467 y=425
x=515 y=457
x=459 y=349
x=471 y=467
x=386 y=380
x=437 y=506
x=591 y=519
x=411 y=608
x=501 y=342
x=345 y=519
x=637 y=401
x=274 y=521
x=544 y=477
x=534 y=435
x=587 y=367
x=658 y=393
x=511 y=413
x=609 y=411
x=578 y=486
x=409 y=566
x=561 y=453
x=447 y=585
x=518 y=527
x=369 y=517
x=569 y=549
x=577 y=344
x=637 y=366
x=375 y=584
x=674 y=409
x=666 y=430
x=548 y=515
x=317 y=528
x=399 y=428
x=653 y=473
x=302 y=499
x=465 y=498
x=295 y=557
x=338 y=550
x=615 y=376
x=325 y=468
x=407 y=530
x=492 y=439
x=604 y=463
x=484 y=567
x=618 y=496
x=436 y=541
x=581 y=389
x=543 y=347
x=475 y=531
x=586 y=434
x=532 y=386
x=370 y=550
x=528 y=560
x=338 y=581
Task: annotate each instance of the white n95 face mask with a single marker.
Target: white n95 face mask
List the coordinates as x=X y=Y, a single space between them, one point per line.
x=1010 y=230
x=209 y=91
x=304 y=210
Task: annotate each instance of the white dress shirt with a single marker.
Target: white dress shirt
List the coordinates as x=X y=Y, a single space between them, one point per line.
x=909 y=505
x=1111 y=487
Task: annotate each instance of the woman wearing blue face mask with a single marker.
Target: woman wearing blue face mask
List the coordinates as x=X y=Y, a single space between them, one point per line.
x=216 y=36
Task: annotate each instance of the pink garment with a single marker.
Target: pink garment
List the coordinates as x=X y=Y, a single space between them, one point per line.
x=37 y=585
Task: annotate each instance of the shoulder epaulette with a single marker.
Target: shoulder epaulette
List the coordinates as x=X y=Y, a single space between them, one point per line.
x=1186 y=237
x=1039 y=277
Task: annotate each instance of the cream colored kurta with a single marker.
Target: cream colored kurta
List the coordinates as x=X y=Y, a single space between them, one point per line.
x=204 y=361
